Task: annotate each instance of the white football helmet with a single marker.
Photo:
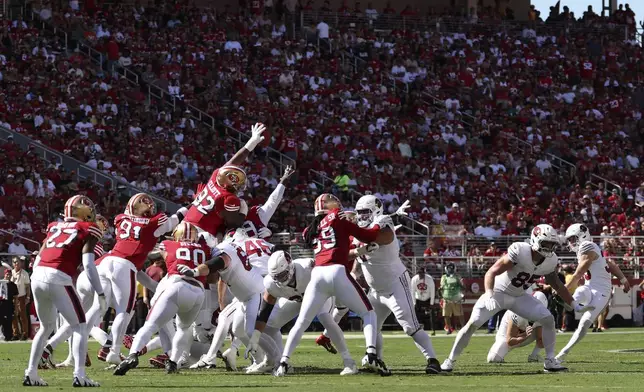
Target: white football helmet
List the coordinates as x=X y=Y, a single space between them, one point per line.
x=280 y=267
x=544 y=240
x=576 y=234
x=368 y=208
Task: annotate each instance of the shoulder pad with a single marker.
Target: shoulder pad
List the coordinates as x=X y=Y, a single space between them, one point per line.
x=587 y=247
x=514 y=251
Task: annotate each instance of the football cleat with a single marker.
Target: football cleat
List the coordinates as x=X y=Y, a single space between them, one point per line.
x=102 y=353
x=47 y=358
x=171 y=367
x=127 y=341
x=183 y=360
x=283 y=369
x=553 y=365
x=448 y=365
x=67 y=363
x=375 y=364
x=33 y=381
x=131 y=362
x=537 y=358
x=204 y=363
x=260 y=368
x=230 y=359
x=433 y=366
x=159 y=361
x=84 y=382
x=114 y=358
x=350 y=369
x=326 y=343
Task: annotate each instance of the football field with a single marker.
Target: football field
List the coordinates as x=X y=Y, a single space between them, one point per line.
x=607 y=361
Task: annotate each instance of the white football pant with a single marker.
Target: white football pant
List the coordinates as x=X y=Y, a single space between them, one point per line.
x=587 y=296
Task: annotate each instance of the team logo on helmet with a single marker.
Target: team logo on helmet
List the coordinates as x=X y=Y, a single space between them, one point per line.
x=142 y=205
x=536 y=231
x=185 y=232
x=232 y=178
x=80 y=208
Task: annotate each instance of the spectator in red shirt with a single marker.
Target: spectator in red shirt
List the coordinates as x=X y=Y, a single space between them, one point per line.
x=455 y=215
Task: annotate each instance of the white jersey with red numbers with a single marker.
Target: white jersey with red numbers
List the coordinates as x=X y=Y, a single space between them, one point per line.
x=258 y=252
x=524 y=272
x=205 y=211
x=137 y=236
x=259 y=216
x=190 y=254
x=382 y=267
x=598 y=276
x=293 y=290
x=243 y=280
x=63 y=248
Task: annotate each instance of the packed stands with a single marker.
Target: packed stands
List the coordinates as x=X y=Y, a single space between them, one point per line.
x=487 y=130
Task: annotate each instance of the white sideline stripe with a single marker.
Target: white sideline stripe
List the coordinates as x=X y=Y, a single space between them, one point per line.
x=440 y=335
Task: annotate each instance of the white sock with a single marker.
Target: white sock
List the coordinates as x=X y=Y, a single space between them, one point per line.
x=424 y=344
x=79 y=347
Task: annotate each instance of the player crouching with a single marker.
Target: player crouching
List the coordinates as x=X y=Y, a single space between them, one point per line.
x=180 y=295
x=516 y=331
x=66 y=245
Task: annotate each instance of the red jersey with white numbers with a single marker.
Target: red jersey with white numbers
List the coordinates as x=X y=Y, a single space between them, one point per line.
x=189 y=254
x=205 y=211
x=63 y=246
x=334 y=240
x=135 y=237
x=253 y=222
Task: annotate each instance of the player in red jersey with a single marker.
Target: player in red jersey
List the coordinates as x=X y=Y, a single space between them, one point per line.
x=330 y=236
x=68 y=243
x=86 y=296
x=179 y=295
x=137 y=232
x=217 y=206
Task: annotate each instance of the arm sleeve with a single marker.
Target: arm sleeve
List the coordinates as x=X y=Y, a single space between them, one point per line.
x=92 y=273
x=167 y=224
x=364 y=235
x=267 y=210
x=146 y=281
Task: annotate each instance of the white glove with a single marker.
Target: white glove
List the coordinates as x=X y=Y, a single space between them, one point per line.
x=264 y=232
x=491 y=304
x=187 y=271
x=402 y=209
x=256 y=136
x=253 y=344
x=372 y=247
x=102 y=303
x=384 y=221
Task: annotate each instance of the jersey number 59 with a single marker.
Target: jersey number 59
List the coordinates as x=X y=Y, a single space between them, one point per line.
x=326 y=240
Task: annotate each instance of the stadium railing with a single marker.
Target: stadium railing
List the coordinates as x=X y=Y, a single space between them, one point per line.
x=82 y=171
x=30 y=243
x=475 y=265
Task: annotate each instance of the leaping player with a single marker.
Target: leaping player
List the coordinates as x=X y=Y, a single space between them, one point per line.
x=597 y=271
x=217 y=206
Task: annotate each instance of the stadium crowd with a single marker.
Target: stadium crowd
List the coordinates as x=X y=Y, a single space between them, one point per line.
x=460 y=123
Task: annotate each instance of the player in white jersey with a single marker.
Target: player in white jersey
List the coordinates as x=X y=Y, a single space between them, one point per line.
x=285 y=285
x=245 y=283
x=516 y=331
x=506 y=283
x=389 y=283
x=597 y=271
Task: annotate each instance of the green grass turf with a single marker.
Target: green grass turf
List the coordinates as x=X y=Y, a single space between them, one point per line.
x=593 y=367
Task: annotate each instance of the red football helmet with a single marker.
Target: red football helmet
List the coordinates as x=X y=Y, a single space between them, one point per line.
x=141 y=205
x=80 y=208
x=326 y=202
x=232 y=178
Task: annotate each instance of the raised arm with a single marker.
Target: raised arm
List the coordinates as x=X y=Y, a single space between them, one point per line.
x=267 y=210
x=167 y=224
x=255 y=138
